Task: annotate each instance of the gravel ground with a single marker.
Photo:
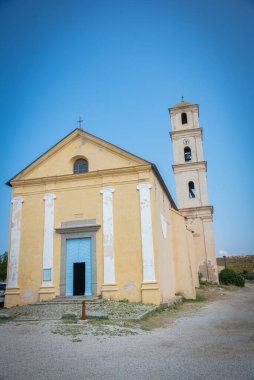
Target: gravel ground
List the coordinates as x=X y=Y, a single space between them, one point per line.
x=114 y=310
x=215 y=342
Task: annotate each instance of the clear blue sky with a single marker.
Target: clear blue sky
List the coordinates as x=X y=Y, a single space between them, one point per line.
x=120 y=65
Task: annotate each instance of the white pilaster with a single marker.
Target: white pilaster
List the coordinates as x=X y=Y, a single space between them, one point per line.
x=48 y=240
x=146 y=232
x=108 y=235
x=13 y=264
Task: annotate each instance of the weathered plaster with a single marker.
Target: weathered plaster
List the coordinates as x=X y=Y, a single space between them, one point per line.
x=13 y=265
x=209 y=271
x=164 y=226
x=129 y=286
x=146 y=232
x=48 y=236
x=108 y=235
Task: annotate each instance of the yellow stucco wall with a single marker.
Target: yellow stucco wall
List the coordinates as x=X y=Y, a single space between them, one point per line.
x=82 y=202
x=163 y=240
x=78 y=197
x=184 y=281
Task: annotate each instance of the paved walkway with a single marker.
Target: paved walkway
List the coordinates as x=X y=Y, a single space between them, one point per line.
x=217 y=342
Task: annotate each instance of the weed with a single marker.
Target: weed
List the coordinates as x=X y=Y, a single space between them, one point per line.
x=100 y=317
x=6 y=319
x=70 y=320
x=200 y=298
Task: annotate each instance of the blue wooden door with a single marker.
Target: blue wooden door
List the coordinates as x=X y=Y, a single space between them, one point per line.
x=79 y=251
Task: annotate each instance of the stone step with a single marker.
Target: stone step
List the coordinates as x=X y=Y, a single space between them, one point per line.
x=78 y=298
x=69 y=301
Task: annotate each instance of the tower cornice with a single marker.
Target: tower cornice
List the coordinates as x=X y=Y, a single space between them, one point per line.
x=179 y=107
x=203 y=212
x=190 y=166
x=174 y=135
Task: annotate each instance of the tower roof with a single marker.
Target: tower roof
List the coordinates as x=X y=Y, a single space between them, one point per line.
x=183 y=103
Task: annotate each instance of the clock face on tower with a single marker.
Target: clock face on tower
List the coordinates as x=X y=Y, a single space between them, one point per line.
x=186 y=142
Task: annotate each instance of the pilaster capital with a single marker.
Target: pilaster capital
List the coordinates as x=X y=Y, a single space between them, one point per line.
x=106 y=190
x=144 y=185
x=17 y=200
x=49 y=197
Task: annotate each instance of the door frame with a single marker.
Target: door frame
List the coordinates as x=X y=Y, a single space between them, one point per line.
x=70 y=230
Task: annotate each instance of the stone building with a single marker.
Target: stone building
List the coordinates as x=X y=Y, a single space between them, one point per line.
x=191 y=187
x=89 y=218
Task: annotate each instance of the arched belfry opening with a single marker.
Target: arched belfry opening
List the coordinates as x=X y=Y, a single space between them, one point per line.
x=192 y=190
x=80 y=166
x=187 y=154
x=184 y=118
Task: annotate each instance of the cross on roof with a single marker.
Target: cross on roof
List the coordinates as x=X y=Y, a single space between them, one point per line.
x=80 y=121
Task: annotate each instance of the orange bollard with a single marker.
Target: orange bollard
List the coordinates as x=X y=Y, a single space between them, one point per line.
x=83 y=311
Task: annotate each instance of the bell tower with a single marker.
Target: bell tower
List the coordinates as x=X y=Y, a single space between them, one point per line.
x=191 y=186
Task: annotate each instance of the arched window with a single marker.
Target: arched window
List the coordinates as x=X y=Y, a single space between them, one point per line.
x=80 y=166
x=184 y=118
x=187 y=154
x=191 y=190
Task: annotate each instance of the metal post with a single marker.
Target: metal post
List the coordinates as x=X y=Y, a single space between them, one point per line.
x=225 y=264
x=83 y=311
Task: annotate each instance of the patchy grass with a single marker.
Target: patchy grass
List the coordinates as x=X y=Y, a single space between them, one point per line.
x=93 y=317
x=96 y=328
x=199 y=298
x=70 y=320
x=124 y=300
x=5 y=320
x=72 y=331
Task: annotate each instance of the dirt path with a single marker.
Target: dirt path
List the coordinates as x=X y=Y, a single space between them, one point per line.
x=212 y=341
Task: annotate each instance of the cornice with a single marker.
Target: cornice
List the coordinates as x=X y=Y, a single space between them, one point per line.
x=174 y=135
x=82 y=176
x=100 y=174
x=190 y=166
x=76 y=229
x=203 y=212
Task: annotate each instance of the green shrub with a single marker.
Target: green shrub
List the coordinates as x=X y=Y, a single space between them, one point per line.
x=229 y=276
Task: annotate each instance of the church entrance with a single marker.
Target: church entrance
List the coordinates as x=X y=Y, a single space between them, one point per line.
x=79 y=267
x=79 y=279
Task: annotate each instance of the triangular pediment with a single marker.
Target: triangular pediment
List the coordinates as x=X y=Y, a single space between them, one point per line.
x=100 y=154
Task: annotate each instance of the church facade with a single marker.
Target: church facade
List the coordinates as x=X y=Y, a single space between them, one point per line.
x=89 y=218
